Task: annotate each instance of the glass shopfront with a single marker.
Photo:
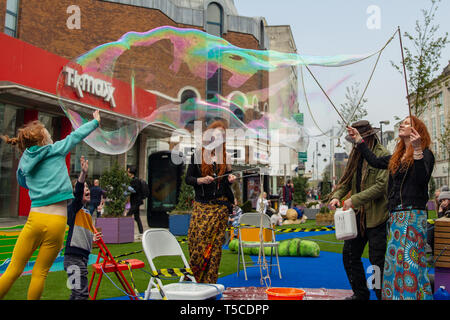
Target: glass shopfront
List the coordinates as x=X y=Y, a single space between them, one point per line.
x=98 y=162
x=9 y=157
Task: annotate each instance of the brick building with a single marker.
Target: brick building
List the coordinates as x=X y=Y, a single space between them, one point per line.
x=49 y=33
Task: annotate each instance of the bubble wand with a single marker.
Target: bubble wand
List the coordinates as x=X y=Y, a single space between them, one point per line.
x=404 y=73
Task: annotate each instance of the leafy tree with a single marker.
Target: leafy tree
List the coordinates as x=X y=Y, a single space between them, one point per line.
x=422 y=58
x=325 y=188
x=300 y=186
x=115 y=181
x=431 y=188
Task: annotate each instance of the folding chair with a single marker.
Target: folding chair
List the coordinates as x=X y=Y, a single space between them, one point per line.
x=110 y=265
x=160 y=242
x=249 y=228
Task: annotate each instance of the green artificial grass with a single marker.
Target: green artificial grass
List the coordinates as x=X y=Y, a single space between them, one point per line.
x=56 y=289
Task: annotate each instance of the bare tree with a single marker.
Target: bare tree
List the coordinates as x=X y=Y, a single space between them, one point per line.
x=354 y=108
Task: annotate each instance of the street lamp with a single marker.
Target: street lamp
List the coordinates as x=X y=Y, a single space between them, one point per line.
x=386 y=122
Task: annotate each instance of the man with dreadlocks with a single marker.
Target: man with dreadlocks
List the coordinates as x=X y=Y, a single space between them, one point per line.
x=367 y=188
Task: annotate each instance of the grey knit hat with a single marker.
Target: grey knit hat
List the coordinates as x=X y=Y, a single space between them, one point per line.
x=444 y=195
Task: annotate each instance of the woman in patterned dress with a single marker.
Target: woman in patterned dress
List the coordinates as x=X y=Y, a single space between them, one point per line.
x=212 y=205
x=405 y=274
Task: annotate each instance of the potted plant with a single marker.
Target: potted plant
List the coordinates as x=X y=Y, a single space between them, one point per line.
x=116 y=228
x=180 y=216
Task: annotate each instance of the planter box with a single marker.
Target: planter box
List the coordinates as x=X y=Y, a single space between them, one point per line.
x=324 y=219
x=311 y=213
x=431 y=205
x=179 y=224
x=116 y=230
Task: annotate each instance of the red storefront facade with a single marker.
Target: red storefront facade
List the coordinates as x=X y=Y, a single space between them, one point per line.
x=28 y=90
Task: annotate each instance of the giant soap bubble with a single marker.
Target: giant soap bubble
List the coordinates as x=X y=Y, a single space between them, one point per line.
x=170 y=77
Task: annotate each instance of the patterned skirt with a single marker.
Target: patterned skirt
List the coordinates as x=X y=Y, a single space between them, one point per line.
x=205 y=238
x=405 y=268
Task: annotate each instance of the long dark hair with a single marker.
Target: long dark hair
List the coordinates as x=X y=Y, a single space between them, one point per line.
x=353 y=161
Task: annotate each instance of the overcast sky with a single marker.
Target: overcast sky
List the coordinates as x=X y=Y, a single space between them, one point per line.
x=330 y=27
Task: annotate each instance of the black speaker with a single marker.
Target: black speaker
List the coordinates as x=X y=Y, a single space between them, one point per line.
x=164 y=181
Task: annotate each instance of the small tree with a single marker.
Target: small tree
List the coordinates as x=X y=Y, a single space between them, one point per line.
x=353 y=109
x=115 y=181
x=325 y=187
x=431 y=188
x=300 y=186
x=186 y=196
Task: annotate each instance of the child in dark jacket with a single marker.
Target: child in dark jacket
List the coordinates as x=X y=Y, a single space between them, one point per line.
x=79 y=239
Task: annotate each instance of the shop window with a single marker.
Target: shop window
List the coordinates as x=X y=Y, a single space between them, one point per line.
x=133 y=154
x=98 y=162
x=11 y=17
x=8 y=163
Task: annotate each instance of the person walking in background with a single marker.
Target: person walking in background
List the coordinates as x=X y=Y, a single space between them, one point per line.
x=368 y=188
x=96 y=197
x=80 y=236
x=136 y=199
x=288 y=193
x=410 y=167
x=42 y=170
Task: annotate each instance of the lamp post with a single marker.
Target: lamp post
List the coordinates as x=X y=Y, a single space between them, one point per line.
x=386 y=122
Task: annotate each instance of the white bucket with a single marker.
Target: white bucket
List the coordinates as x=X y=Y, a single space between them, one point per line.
x=345 y=224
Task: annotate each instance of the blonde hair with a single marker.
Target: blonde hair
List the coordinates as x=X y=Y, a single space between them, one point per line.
x=29 y=135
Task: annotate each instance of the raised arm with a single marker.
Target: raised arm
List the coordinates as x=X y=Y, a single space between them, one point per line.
x=371 y=158
x=361 y=146
x=64 y=146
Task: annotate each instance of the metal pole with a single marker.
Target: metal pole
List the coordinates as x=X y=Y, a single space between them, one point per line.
x=381 y=132
x=404 y=73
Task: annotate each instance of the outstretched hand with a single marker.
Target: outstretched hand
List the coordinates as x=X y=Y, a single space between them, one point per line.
x=84 y=169
x=415 y=139
x=334 y=203
x=84 y=164
x=354 y=135
x=96 y=115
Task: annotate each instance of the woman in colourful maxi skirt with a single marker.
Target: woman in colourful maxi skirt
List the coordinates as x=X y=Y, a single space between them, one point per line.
x=410 y=166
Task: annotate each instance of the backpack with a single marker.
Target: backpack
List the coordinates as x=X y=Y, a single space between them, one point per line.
x=145 y=191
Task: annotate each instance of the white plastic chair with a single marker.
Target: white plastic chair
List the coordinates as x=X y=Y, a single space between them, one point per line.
x=253 y=219
x=160 y=242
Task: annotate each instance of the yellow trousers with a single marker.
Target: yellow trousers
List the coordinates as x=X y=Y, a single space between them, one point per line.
x=41 y=230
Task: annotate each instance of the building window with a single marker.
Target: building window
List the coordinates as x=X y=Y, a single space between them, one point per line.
x=214 y=26
x=214 y=20
x=440 y=99
x=433 y=127
x=12 y=9
x=188 y=112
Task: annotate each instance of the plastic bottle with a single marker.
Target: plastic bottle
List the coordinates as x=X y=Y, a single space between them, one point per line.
x=441 y=294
